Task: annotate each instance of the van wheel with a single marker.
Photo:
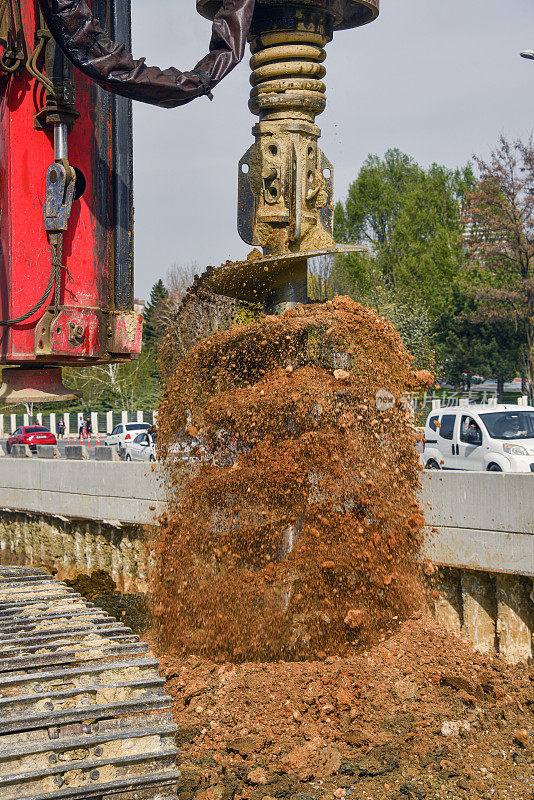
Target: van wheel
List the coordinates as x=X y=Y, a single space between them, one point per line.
x=128 y=457
x=494 y=468
x=432 y=464
x=152 y=458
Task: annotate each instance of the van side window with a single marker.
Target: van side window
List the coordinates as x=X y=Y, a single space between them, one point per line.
x=447 y=426
x=470 y=432
x=432 y=422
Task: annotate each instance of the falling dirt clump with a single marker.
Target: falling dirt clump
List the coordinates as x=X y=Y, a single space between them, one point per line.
x=293 y=526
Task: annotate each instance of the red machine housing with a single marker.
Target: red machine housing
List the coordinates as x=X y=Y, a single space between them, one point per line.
x=96 y=322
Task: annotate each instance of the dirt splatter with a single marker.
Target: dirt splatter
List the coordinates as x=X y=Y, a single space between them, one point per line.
x=296 y=534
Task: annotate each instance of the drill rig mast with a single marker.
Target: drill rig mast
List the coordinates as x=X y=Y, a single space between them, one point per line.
x=66 y=213
x=66 y=255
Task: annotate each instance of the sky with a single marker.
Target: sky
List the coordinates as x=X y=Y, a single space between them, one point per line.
x=441 y=80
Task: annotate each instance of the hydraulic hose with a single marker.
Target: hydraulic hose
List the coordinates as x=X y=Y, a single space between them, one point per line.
x=84 y=42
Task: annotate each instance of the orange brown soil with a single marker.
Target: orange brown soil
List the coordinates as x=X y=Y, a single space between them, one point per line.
x=288 y=598
x=416 y=716
x=298 y=532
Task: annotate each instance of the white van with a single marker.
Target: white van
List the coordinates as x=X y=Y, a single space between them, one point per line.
x=494 y=438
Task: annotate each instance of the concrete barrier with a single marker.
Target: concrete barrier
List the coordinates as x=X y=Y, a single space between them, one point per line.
x=48 y=451
x=76 y=516
x=480 y=520
x=76 y=452
x=20 y=451
x=491 y=501
x=129 y=493
x=104 y=453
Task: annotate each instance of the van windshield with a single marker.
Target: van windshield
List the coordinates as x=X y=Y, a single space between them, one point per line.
x=509 y=424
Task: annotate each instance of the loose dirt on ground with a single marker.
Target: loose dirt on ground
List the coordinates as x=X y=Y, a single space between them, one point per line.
x=417 y=715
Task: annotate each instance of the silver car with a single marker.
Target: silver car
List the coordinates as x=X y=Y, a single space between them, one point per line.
x=142 y=448
x=124 y=433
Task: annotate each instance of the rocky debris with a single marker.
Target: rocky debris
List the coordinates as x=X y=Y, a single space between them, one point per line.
x=405 y=689
x=195 y=689
x=189 y=781
x=454 y=727
x=257 y=776
x=463 y=684
x=288 y=604
x=406 y=733
x=245 y=745
x=522 y=737
x=354 y=618
x=342 y=375
x=99 y=587
x=186 y=734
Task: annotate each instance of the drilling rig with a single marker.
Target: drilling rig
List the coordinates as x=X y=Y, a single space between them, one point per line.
x=66 y=255
x=84 y=714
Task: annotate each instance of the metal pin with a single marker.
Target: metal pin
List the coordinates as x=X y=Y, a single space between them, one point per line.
x=60 y=142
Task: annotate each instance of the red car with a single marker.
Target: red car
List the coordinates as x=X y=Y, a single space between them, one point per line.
x=31 y=435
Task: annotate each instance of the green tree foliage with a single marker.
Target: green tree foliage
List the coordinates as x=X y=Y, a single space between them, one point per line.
x=467 y=344
x=411 y=222
x=154 y=315
x=502 y=239
x=128 y=386
x=417 y=268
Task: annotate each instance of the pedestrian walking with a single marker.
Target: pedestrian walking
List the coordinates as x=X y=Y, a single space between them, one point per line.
x=61 y=428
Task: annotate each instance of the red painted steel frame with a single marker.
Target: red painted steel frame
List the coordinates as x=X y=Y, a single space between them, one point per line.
x=89 y=244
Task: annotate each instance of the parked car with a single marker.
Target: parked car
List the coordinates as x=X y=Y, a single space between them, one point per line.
x=495 y=438
x=125 y=432
x=142 y=448
x=32 y=435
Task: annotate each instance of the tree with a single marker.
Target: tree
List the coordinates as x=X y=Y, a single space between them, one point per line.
x=180 y=277
x=320 y=278
x=128 y=385
x=410 y=220
x=467 y=346
x=154 y=314
x=501 y=238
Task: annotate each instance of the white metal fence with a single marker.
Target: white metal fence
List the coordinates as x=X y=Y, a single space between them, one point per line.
x=101 y=422
x=423 y=404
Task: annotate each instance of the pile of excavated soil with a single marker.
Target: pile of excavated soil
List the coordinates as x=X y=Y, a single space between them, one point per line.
x=417 y=715
x=287 y=594
x=297 y=532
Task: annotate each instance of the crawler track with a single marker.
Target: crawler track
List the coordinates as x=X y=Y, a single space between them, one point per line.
x=83 y=711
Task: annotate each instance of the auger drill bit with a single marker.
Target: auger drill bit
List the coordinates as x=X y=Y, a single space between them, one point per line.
x=285 y=183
